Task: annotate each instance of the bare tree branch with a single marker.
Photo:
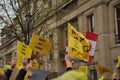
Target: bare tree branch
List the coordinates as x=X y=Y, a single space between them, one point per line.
x=12 y=5
x=4 y=21
x=24 y=23
x=12 y=27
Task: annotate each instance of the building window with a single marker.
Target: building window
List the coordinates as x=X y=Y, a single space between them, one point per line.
x=117 y=21
x=90 y=19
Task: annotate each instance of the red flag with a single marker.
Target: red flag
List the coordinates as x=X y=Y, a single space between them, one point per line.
x=91 y=59
x=92 y=37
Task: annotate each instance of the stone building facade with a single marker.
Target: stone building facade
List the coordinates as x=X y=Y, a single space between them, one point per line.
x=98 y=16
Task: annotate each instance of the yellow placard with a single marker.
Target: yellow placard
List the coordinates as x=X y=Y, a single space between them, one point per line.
x=118 y=63
x=84 y=69
x=19 y=61
x=26 y=76
x=35 y=65
x=103 y=70
x=78 y=45
x=24 y=50
x=75 y=44
x=39 y=44
x=2 y=71
x=101 y=78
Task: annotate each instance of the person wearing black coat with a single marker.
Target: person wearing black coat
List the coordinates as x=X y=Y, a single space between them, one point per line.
x=23 y=71
x=21 y=74
x=12 y=66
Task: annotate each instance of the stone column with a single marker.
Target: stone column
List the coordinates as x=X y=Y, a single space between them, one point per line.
x=104 y=58
x=56 y=49
x=80 y=24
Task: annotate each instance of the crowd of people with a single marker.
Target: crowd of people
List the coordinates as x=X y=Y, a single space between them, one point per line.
x=70 y=74
x=22 y=72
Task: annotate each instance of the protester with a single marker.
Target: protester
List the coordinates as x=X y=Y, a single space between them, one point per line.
x=12 y=66
x=71 y=74
x=23 y=71
x=52 y=75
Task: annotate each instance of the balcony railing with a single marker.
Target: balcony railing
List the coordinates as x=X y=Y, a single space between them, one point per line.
x=117 y=39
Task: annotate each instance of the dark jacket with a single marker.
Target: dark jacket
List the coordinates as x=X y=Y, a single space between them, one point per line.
x=21 y=74
x=8 y=73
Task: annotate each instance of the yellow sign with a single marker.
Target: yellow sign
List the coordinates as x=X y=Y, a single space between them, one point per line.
x=84 y=69
x=118 y=64
x=78 y=45
x=103 y=70
x=101 y=78
x=24 y=50
x=19 y=61
x=26 y=76
x=39 y=44
x=35 y=65
x=1 y=71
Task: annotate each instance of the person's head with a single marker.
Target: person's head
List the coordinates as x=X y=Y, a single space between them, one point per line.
x=13 y=62
x=25 y=61
x=51 y=75
x=3 y=77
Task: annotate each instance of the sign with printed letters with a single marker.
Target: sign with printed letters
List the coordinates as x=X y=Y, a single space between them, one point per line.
x=19 y=61
x=78 y=45
x=35 y=65
x=40 y=44
x=1 y=70
x=24 y=50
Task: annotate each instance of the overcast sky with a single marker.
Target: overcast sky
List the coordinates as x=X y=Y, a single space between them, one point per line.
x=3 y=13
